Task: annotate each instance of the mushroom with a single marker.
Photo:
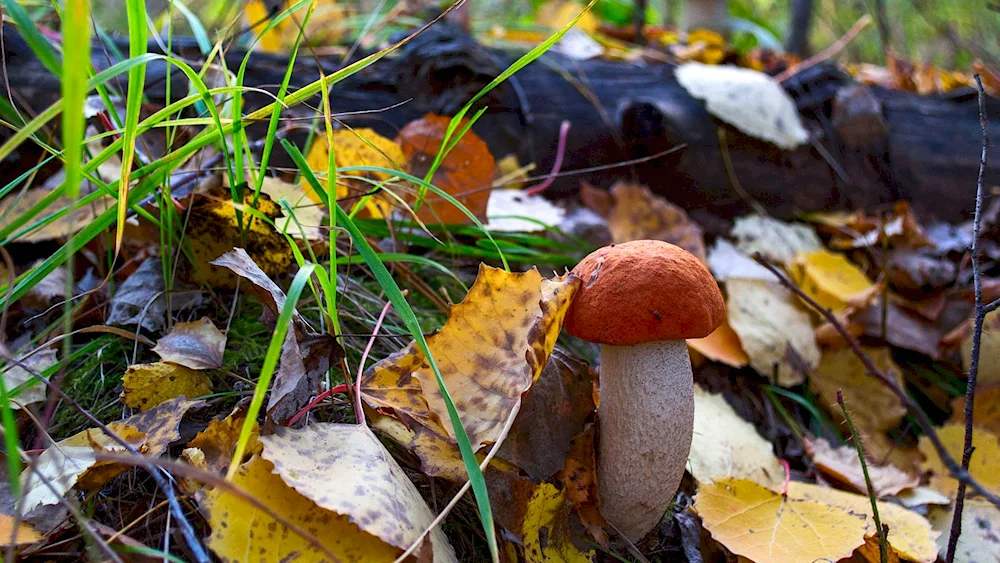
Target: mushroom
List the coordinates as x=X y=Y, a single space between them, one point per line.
x=640 y=300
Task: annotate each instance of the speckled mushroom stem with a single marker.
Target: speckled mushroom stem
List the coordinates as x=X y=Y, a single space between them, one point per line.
x=646 y=418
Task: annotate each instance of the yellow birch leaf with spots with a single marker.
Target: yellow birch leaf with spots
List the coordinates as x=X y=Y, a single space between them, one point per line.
x=490 y=351
x=344 y=469
x=831 y=279
x=910 y=535
x=984 y=465
x=763 y=525
x=148 y=385
x=241 y=532
x=357 y=147
x=218 y=441
x=546 y=537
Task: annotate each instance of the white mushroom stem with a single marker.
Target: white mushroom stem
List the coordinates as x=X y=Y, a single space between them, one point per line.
x=646 y=418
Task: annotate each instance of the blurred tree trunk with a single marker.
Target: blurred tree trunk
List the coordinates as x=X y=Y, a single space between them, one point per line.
x=799 y=27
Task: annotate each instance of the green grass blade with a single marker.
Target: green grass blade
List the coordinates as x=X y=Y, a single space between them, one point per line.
x=136 y=80
x=197 y=29
x=10 y=440
x=76 y=66
x=270 y=364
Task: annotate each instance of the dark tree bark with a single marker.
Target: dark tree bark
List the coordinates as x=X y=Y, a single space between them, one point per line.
x=799 y=27
x=926 y=149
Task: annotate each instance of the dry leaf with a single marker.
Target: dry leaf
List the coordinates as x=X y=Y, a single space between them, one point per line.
x=15 y=206
x=726 y=261
x=831 y=280
x=989 y=351
x=751 y=101
x=557 y=14
x=762 y=525
x=148 y=385
x=874 y=408
x=487 y=361
x=723 y=346
x=546 y=537
x=553 y=411
x=983 y=465
x=638 y=214
x=725 y=445
x=986 y=408
x=25 y=534
x=266 y=291
x=14 y=375
x=776 y=240
x=196 y=345
x=776 y=334
x=870 y=552
x=980 y=539
x=218 y=441
x=303 y=216
x=140 y=299
x=843 y=465
x=910 y=535
x=466 y=173
x=240 y=529
x=60 y=467
x=903 y=329
x=579 y=478
x=900 y=229
x=326 y=27
x=344 y=469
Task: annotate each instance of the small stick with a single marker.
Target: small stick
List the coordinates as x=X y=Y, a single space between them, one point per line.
x=829 y=52
x=882 y=540
x=977 y=333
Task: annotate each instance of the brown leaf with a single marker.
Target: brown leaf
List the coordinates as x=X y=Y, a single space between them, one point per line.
x=266 y=291
x=597 y=200
x=218 y=441
x=552 y=412
x=903 y=329
x=579 y=478
x=466 y=172
x=15 y=206
x=300 y=370
x=638 y=214
x=842 y=464
x=196 y=345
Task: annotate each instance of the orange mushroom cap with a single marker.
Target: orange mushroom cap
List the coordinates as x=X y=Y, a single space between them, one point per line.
x=644 y=291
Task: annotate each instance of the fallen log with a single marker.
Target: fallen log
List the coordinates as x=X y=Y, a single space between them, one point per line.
x=897 y=146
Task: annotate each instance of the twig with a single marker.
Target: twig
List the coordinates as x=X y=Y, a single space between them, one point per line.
x=977 y=332
x=921 y=417
x=187 y=531
x=882 y=542
x=829 y=52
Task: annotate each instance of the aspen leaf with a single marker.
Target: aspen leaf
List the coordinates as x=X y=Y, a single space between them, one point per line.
x=557 y=14
x=722 y=346
x=764 y=526
x=775 y=332
x=910 y=535
x=726 y=261
x=980 y=539
x=639 y=214
x=775 y=240
x=874 y=408
x=196 y=345
x=355 y=147
x=983 y=465
x=831 y=279
x=61 y=467
x=239 y=529
x=218 y=441
x=842 y=464
x=492 y=348
x=466 y=173
x=725 y=445
x=545 y=535
x=344 y=469
x=148 y=385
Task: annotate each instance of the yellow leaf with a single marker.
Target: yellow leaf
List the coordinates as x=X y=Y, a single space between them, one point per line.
x=831 y=279
x=762 y=525
x=15 y=206
x=490 y=351
x=240 y=530
x=343 y=468
x=843 y=464
x=305 y=218
x=326 y=27
x=910 y=535
x=723 y=346
x=983 y=465
x=725 y=445
x=196 y=345
x=979 y=541
x=147 y=385
x=986 y=406
x=557 y=14
x=874 y=408
x=545 y=535
x=218 y=442
x=989 y=351
x=358 y=147
x=771 y=328
x=25 y=533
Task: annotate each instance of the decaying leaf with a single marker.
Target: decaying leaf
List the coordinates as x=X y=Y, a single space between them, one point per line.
x=466 y=173
x=726 y=445
x=751 y=101
x=16 y=205
x=487 y=360
x=723 y=346
x=980 y=539
x=261 y=285
x=140 y=299
x=344 y=469
x=239 y=529
x=775 y=332
x=983 y=465
x=842 y=464
x=579 y=478
x=148 y=385
x=903 y=328
x=546 y=539
x=196 y=345
x=832 y=280
x=303 y=216
x=218 y=442
x=213 y=230
x=15 y=375
x=639 y=214
x=60 y=467
x=989 y=351
x=553 y=411
x=874 y=408
x=901 y=228
x=910 y=534
x=776 y=240
x=986 y=408
x=762 y=525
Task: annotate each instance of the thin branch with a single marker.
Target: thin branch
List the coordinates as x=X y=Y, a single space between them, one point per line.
x=921 y=417
x=856 y=438
x=977 y=332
